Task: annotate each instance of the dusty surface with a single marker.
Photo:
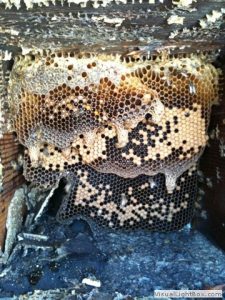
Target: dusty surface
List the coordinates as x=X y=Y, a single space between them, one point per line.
x=130 y=264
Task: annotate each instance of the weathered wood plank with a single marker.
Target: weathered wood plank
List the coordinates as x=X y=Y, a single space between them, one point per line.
x=11 y=179
x=115 y=27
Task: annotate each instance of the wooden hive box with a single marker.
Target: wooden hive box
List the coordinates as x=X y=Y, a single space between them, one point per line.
x=114 y=27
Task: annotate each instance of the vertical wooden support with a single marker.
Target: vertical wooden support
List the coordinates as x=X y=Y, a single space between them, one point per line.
x=10 y=176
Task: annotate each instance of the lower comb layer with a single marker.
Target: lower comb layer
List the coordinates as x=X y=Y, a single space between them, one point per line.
x=122 y=203
x=139 y=203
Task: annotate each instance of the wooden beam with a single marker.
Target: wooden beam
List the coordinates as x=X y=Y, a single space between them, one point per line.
x=11 y=178
x=115 y=27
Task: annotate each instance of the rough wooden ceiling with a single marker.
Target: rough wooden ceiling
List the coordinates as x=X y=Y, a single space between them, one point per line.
x=115 y=26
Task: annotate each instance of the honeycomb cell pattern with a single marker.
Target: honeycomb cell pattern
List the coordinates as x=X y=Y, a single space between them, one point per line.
x=112 y=201
x=125 y=132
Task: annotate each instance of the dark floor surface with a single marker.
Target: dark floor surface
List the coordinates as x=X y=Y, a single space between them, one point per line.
x=126 y=263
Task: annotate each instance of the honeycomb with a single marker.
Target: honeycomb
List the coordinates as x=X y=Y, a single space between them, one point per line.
x=113 y=201
x=126 y=132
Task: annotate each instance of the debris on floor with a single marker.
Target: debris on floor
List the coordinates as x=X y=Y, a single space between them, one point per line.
x=75 y=261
